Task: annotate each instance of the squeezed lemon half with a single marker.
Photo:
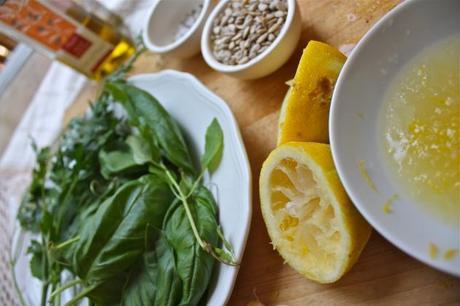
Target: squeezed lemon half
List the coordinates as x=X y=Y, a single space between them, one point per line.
x=305 y=109
x=309 y=217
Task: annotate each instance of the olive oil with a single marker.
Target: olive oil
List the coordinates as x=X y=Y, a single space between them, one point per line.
x=421 y=128
x=80 y=33
x=108 y=27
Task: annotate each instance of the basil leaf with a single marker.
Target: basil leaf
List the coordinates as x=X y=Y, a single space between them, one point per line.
x=143 y=108
x=154 y=281
x=204 y=197
x=147 y=135
x=143 y=152
x=194 y=265
x=109 y=292
x=141 y=286
x=186 y=183
x=168 y=281
x=115 y=236
x=73 y=230
x=213 y=147
x=116 y=162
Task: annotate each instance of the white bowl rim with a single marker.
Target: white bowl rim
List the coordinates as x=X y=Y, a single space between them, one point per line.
x=169 y=47
x=215 y=64
x=380 y=228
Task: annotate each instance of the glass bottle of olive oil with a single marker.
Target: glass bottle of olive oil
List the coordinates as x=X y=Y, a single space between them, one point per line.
x=80 y=33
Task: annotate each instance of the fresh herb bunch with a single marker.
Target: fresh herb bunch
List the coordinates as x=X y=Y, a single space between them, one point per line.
x=122 y=207
x=65 y=185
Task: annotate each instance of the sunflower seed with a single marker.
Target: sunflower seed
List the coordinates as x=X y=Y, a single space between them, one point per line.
x=262 y=38
x=243 y=60
x=262 y=7
x=245 y=32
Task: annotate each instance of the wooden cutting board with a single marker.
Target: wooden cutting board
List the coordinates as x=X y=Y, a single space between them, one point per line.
x=383 y=275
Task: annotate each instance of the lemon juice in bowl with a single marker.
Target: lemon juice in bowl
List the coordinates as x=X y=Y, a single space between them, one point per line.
x=420 y=131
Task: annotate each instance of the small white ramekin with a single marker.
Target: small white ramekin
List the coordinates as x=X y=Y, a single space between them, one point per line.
x=162 y=22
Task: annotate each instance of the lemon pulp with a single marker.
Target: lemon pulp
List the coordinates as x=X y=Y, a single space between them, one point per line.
x=309 y=217
x=421 y=128
x=296 y=197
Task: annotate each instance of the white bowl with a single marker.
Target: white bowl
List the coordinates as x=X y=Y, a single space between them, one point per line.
x=266 y=62
x=354 y=130
x=162 y=22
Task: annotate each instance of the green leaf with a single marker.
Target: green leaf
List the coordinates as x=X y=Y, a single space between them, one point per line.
x=46 y=223
x=84 y=214
x=143 y=108
x=30 y=211
x=115 y=237
x=225 y=255
x=194 y=265
x=107 y=293
x=140 y=288
x=143 y=152
x=186 y=183
x=227 y=245
x=159 y=173
x=213 y=147
x=37 y=261
x=117 y=162
x=154 y=280
x=168 y=281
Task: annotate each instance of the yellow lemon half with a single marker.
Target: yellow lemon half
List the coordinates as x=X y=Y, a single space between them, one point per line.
x=305 y=110
x=309 y=217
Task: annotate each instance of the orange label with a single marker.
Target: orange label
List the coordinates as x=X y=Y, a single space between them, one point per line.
x=42 y=24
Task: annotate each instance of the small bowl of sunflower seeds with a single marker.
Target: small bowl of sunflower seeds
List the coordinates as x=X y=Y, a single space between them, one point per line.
x=249 y=39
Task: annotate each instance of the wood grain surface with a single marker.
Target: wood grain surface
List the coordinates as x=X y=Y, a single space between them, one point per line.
x=383 y=275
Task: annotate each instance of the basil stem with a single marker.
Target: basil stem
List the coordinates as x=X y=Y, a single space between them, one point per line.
x=217 y=253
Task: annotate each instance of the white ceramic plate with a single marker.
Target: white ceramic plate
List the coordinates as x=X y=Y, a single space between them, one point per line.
x=357 y=102
x=193 y=106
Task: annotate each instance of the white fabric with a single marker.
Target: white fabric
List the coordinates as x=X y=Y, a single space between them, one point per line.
x=42 y=120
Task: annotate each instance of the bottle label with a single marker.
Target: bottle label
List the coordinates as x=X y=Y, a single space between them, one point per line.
x=71 y=42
